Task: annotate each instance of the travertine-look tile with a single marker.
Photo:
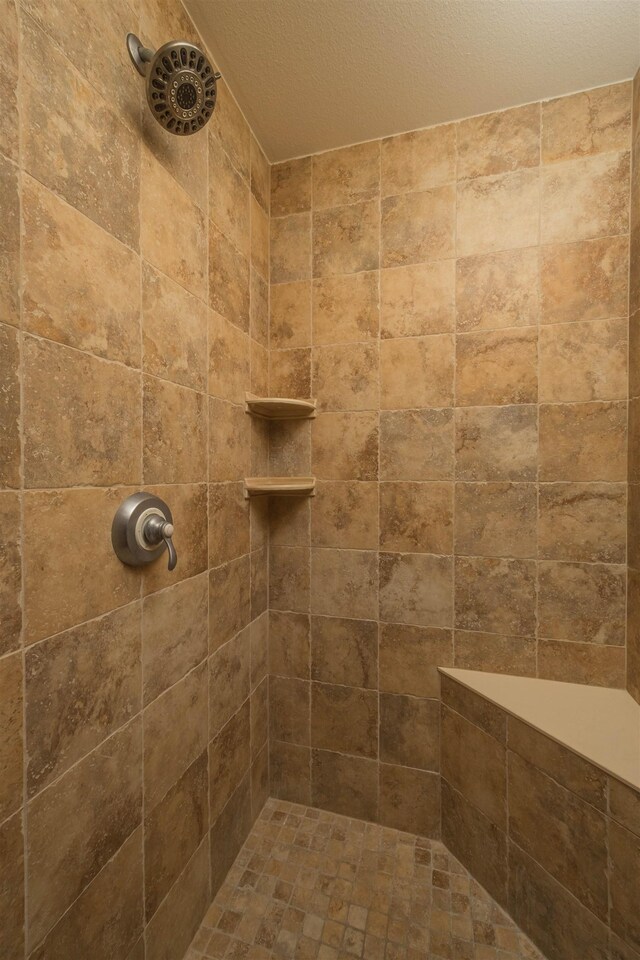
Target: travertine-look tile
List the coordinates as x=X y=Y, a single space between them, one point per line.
x=499 y=142
x=495 y=653
x=229 y=755
x=409 y=800
x=228 y=523
x=417 y=299
x=229 y=601
x=10 y=572
x=173 y=925
x=81 y=285
x=582 y=521
x=584 y=281
x=573 y=662
x=290 y=315
x=583 y=441
x=595 y=121
x=418 y=160
x=344 y=583
x=347 y=785
x=496 y=290
x=496 y=595
x=11 y=740
x=229 y=680
x=496 y=443
x=259 y=239
x=291 y=187
x=230 y=127
x=61 y=588
x=410 y=657
x=260 y=175
x=228 y=198
x=229 y=359
x=174 y=634
x=9 y=407
x=416 y=372
x=344 y=651
x=346 y=239
x=474 y=763
x=345 y=514
x=9 y=36
x=416 y=445
x=289 y=578
x=344 y=719
x=188 y=503
x=498 y=212
x=410 y=731
x=348 y=175
x=345 y=376
x=175 y=432
x=98 y=667
x=481 y=712
x=345 y=446
x=9 y=243
x=345 y=308
x=625 y=859
x=497 y=367
x=259 y=309
x=290 y=373
x=585 y=198
x=289 y=706
x=496 y=519
x=583 y=361
x=289 y=644
x=475 y=840
x=174 y=331
x=416 y=517
x=290 y=769
x=229 y=281
x=418 y=226
x=416 y=588
x=582 y=602
x=290 y=248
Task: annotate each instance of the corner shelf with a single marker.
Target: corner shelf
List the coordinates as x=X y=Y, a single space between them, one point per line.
x=279 y=486
x=280 y=408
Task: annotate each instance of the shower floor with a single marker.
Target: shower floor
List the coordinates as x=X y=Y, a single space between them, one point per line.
x=312 y=885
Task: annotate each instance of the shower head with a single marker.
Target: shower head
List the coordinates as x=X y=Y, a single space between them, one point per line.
x=180 y=84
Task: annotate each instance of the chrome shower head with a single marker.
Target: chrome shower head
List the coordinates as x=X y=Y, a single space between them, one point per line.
x=180 y=84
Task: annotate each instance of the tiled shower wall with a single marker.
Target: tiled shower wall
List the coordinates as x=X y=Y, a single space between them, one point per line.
x=133 y=316
x=633 y=526
x=456 y=299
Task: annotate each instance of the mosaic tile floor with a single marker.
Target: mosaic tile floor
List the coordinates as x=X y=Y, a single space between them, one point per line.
x=312 y=885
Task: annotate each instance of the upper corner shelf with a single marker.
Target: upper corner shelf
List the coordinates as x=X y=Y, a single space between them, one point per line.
x=280 y=408
x=279 y=486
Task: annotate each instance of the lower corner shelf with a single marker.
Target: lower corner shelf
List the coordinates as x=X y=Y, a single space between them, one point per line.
x=279 y=486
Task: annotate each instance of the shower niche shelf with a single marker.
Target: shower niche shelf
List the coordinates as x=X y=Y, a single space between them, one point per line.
x=279 y=487
x=280 y=408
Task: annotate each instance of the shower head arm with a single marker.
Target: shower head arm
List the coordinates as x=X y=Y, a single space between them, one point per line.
x=140 y=56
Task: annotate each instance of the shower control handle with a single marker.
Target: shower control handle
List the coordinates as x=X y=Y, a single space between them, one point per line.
x=142 y=530
x=155 y=531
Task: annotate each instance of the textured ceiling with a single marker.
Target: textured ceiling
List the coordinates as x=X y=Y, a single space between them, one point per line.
x=311 y=75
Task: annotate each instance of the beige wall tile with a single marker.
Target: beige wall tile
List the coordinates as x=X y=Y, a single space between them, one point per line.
x=477 y=842
x=345 y=514
x=349 y=175
x=583 y=361
x=344 y=719
x=585 y=198
x=10 y=42
x=259 y=369
x=11 y=741
x=290 y=769
x=410 y=657
x=9 y=407
x=230 y=127
x=582 y=602
x=497 y=290
x=345 y=308
x=174 y=925
x=289 y=709
x=625 y=859
x=228 y=523
x=497 y=443
x=290 y=246
x=496 y=595
x=594 y=121
x=289 y=578
x=346 y=239
x=416 y=445
x=175 y=433
x=583 y=441
x=259 y=239
x=260 y=175
x=290 y=323
x=229 y=290
x=289 y=521
x=9 y=243
x=97 y=666
x=229 y=601
x=582 y=521
x=418 y=226
x=498 y=213
x=419 y=160
x=344 y=583
x=259 y=309
x=497 y=367
x=410 y=731
x=185 y=158
x=345 y=785
x=475 y=765
x=10 y=572
x=259 y=736
x=416 y=588
x=345 y=376
x=290 y=448
x=289 y=644
x=499 y=142
x=345 y=446
x=416 y=517
x=228 y=198
x=291 y=187
x=495 y=653
x=410 y=800
x=496 y=519
x=290 y=373
x=344 y=651
x=475 y=708
x=416 y=372
x=81 y=285
x=584 y=281
x=571 y=662
x=229 y=755
x=229 y=359
x=188 y=503
x=229 y=680
x=418 y=299
x=174 y=331
x=61 y=588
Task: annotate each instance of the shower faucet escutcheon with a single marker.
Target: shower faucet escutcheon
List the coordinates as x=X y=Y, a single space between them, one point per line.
x=142 y=529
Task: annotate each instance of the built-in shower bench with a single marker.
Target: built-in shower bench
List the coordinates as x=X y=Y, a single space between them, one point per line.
x=541 y=802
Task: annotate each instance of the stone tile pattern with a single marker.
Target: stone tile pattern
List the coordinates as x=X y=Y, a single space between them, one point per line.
x=315 y=885
x=554 y=839
x=456 y=300
x=633 y=518
x=133 y=318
